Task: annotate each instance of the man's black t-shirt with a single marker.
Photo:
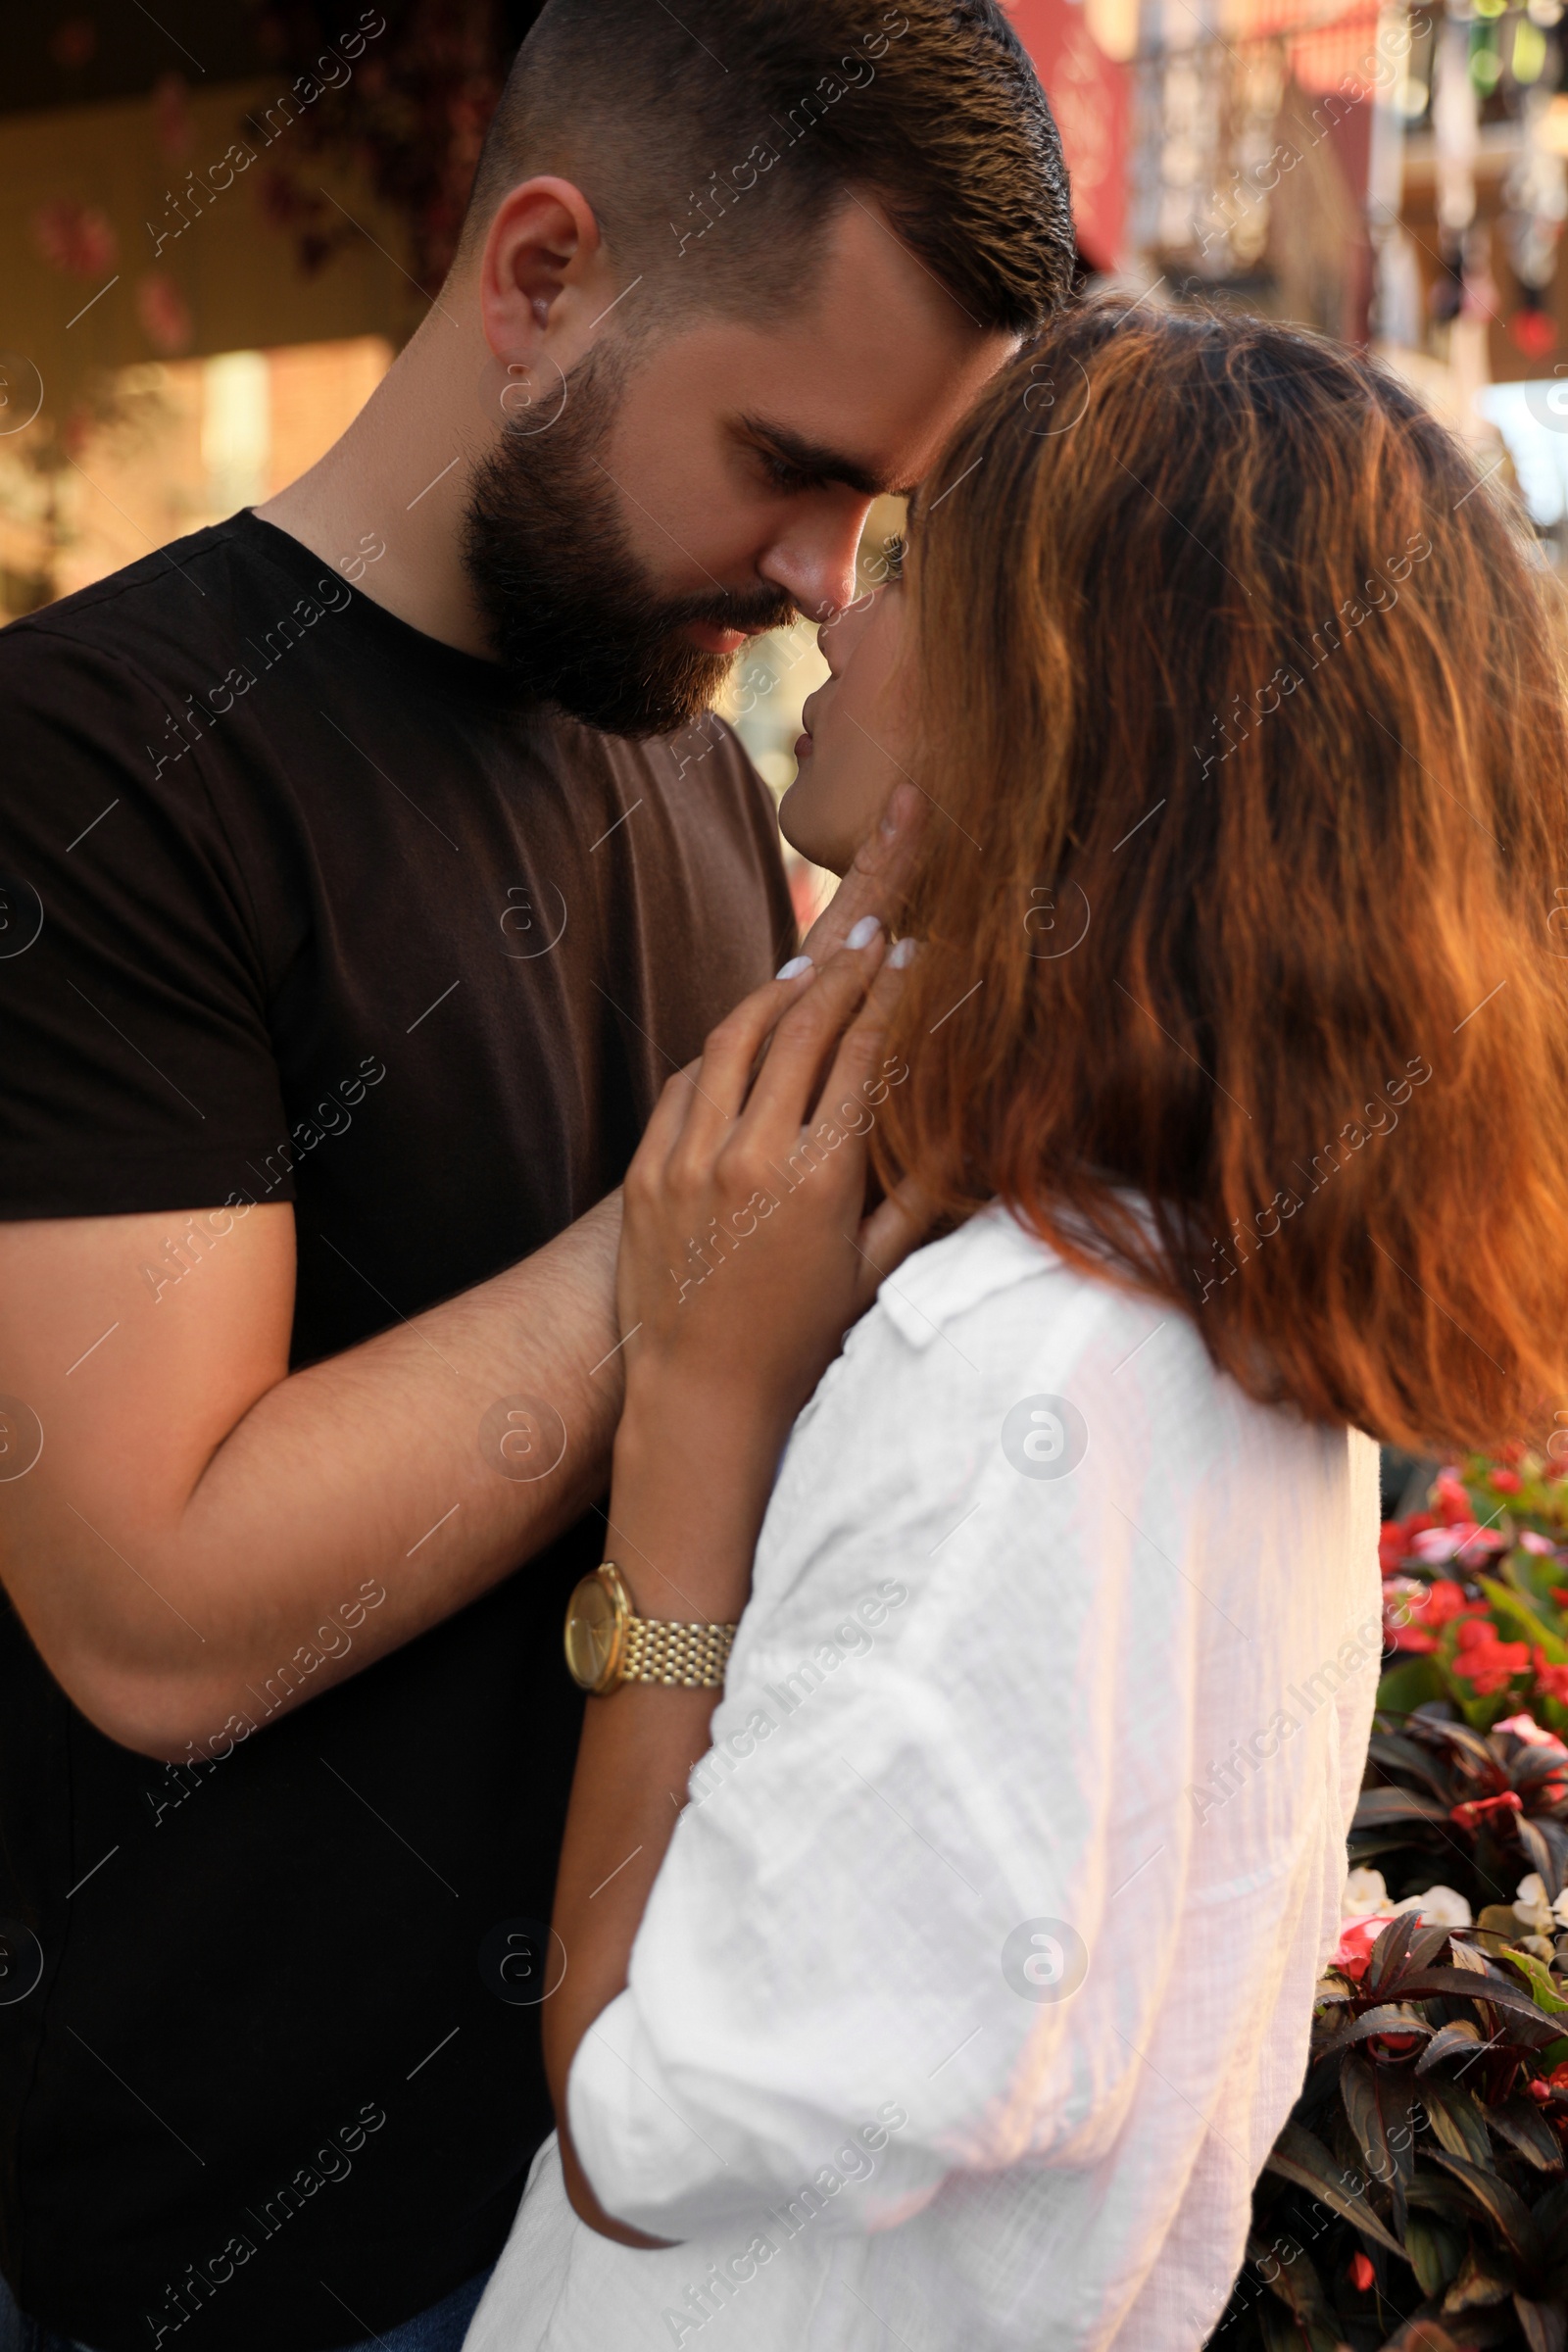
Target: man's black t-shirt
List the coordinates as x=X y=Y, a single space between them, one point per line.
x=300 y=904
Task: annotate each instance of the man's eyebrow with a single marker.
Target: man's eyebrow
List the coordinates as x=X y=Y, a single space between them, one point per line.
x=815 y=458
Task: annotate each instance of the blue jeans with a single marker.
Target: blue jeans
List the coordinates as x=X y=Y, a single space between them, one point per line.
x=441 y=2329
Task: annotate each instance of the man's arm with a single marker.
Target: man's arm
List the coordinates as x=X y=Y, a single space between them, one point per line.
x=198 y=1515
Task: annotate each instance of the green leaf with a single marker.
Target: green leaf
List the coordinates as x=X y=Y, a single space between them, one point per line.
x=1505 y=2205
x=1541 y=1985
x=1514 y=1613
x=1434 y=2252
x=1482 y=1713
x=1531 y=1576
x=1520 y=2122
x=1411 y=1684
x=1457 y=2124
x=1299 y=2157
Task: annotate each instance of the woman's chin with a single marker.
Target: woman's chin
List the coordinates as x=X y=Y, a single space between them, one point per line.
x=812 y=843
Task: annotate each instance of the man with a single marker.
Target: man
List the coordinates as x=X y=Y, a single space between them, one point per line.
x=369 y=862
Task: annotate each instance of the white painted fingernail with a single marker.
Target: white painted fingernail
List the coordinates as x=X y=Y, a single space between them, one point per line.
x=792 y=970
x=902 y=955
x=865 y=930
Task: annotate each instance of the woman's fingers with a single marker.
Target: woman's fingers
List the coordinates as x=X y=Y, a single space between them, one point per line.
x=858 y=1080
x=805 y=1038
x=719 y=1081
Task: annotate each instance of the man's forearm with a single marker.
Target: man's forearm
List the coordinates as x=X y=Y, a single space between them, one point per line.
x=422 y=1466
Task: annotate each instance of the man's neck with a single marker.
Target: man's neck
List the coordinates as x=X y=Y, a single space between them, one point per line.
x=384 y=506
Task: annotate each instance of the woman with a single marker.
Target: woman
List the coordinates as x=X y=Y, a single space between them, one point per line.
x=955 y=1996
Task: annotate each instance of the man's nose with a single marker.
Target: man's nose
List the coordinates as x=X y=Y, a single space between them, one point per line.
x=816 y=563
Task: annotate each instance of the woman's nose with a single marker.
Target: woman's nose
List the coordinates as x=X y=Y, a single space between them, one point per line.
x=838 y=636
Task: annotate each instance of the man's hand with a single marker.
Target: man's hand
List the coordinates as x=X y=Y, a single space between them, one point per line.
x=185 y=1524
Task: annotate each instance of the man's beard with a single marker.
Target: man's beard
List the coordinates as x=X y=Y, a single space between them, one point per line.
x=570 y=611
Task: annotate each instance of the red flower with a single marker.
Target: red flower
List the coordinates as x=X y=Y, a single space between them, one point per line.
x=1362 y=2274
x=1485 y=1661
x=1553 y=1680
x=1473 y=1811
x=1441 y=1600
x=1356 y=1939
x=1452 y=1502
x=1506 y=1482
x=1390 y=1545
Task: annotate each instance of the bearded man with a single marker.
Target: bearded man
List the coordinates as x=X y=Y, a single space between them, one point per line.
x=370 y=859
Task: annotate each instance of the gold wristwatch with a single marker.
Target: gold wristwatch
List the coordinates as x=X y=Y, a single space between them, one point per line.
x=608 y=1643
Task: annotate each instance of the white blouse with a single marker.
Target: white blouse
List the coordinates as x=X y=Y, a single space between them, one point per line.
x=976 y=1984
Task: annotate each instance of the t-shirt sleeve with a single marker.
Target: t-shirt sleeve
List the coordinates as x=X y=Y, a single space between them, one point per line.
x=140 y=1071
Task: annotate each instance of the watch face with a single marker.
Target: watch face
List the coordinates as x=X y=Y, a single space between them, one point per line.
x=592 y=1632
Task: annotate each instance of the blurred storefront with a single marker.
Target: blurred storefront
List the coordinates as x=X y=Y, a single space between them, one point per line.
x=1389 y=173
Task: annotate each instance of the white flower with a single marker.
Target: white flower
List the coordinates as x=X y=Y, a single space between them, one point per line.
x=1440 y=1907
x=1365 y=1894
x=1532 y=1906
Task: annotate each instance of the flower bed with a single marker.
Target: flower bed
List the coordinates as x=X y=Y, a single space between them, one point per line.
x=1476 y=1594
x=1417 y=2200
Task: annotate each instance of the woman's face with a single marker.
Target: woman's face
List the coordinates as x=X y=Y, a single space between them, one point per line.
x=858 y=739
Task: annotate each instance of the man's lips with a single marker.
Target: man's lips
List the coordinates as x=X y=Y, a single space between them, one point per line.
x=716 y=640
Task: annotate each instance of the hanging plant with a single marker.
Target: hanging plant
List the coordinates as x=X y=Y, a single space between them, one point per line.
x=410 y=121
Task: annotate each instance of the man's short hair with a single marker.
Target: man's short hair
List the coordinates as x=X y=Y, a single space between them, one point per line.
x=715 y=146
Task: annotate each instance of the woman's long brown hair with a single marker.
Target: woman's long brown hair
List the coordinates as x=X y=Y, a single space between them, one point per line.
x=1244 y=723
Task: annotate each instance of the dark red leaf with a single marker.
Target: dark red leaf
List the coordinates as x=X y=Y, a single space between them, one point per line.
x=1526 y=2128
x=1505 y=2206
x=1545 y=2325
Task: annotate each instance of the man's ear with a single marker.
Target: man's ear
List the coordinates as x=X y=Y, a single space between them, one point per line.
x=543 y=242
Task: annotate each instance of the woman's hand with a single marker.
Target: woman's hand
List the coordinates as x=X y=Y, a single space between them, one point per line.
x=746 y=1250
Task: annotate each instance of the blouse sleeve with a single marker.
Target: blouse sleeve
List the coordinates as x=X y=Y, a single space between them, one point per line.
x=916 y=1917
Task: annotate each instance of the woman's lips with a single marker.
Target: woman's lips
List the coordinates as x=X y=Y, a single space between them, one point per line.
x=803 y=748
